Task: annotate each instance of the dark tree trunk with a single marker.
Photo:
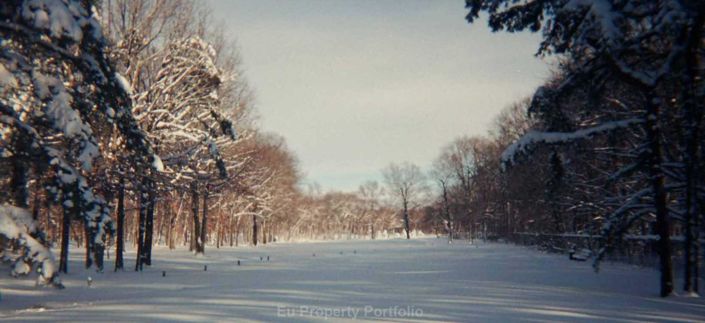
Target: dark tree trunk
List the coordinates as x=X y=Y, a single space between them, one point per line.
x=89 y=244
x=36 y=210
x=218 y=230
x=172 y=222
x=120 y=241
x=144 y=204
x=204 y=225
x=51 y=232
x=99 y=256
x=657 y=179
x=65 y=230
x=237 y=232
x=149 y=225
x=196 y=233
x=406 y=219
x=508 y=231
x=254 y=229
x=693 y=116
x=231 y=231
x=36 y=205
x=446 y=210
x=20 y=170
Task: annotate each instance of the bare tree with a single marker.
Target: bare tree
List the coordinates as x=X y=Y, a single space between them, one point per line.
x=370 y=193
x=444 y=177
x=406 y=183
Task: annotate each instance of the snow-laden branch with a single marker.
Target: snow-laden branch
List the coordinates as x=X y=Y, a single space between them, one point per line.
x=21 y=248
x=533 y=138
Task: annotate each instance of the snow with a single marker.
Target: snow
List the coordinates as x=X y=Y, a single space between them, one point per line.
x=16 y=224
x=206 y=54
x=8 y=227
x=7 y=80
x=124 y=84
x=59 y=107
x=533 y=137
x=157 y=163
x=212 y=147
x=425 y=279
x=61 y=18
x=55 y=16
x=20 y=268
x=65 y=118
x=602 y=13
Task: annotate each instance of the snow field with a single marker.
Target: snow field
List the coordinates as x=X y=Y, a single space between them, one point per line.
x=425 y=280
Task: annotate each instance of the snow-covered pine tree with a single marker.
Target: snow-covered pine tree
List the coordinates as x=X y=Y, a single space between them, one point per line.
x=60 y=93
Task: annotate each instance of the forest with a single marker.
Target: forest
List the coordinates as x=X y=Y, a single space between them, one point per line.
x=130 y=124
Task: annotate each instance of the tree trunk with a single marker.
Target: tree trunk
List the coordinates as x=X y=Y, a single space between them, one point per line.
x=149 y=224
x=172 y=224
x=51 y=233
x=69 y=213
x=89 y=244
x=203 y=234
x=144 y=205
x=170 y=235
x=36 y=204
x=20 y=169
x=231 y=229
x=237 y=232
x=254 y=229
x=657 y=179
x=65 y=230
x=693 y=116
x=446 y=209
x=406 y=219
x=196 y=232
x=218 y=230
x=99 y=256
x=509 y=220
x=120 y=241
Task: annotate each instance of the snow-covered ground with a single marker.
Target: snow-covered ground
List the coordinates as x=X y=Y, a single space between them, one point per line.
x=393 y=280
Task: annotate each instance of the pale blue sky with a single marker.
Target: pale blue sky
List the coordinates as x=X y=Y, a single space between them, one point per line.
x=355 y=85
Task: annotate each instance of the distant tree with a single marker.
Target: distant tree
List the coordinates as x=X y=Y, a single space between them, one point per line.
x=443 y=175
x=406 y=184
x=459 y=161
x=370 y=192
